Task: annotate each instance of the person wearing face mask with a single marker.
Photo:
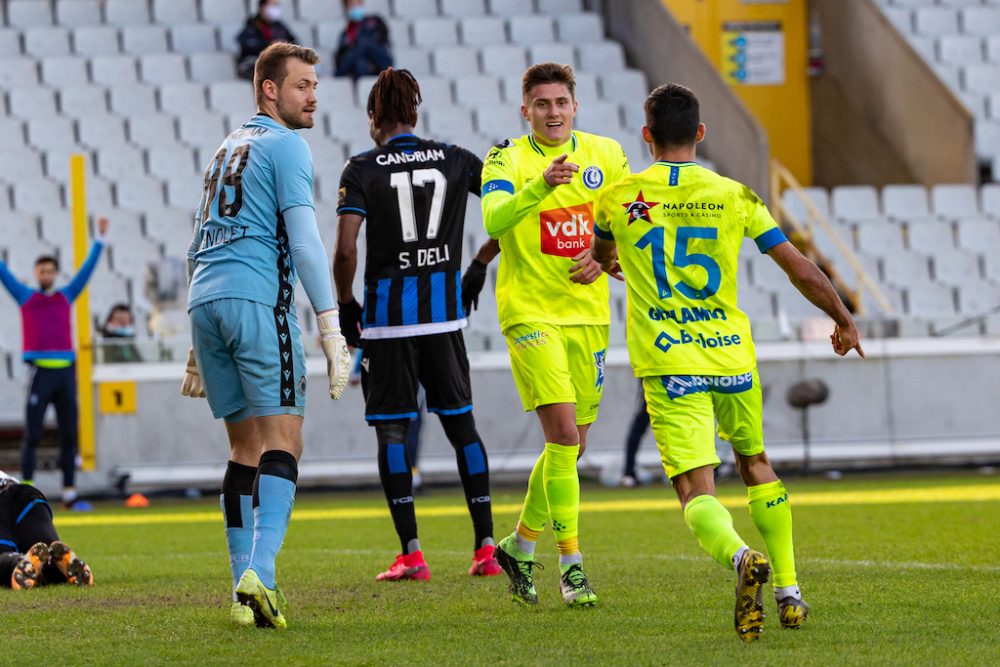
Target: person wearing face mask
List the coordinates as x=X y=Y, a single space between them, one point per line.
x=118 y=332
x=363 y=49
x=261 y=30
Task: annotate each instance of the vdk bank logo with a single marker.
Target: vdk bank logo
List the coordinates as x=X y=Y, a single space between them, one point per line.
x=567 y=231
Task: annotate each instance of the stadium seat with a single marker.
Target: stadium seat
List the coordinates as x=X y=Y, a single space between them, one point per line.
x=93 y=40
x=416 y=60
x=903 y=202
x=28 y=13
x=319 y=10
x=184 y=190
x=818 y=196
x=168 y=12
x=160 y=68
x=478 y=31
x=152 y=129
x=325 y=152
x=511 y=7
x=236 y=96
x=901 y=17
x=979 y=235
x=981 y=20
x=855 y=202
x=579 y=28
x=987 y=139
x=628 y=87
x=58 y=71
x=232 y=12
x=132 y=100
x=600 y=56
x=36 y=197
x=501 y=60
x=400 y=32
x=182 y=98
x=960 y=50
x=78 y=12
x=169 y=159
x=557 y=7
x=925 y=45
x=143 y=39
x=462 y=8
x=499 y=122
x=435 y=31
x=901 y=268
x=415 y=8
x=10 y=42
x=328 y=35
x=51 y=132
x=983 y=79
x=528 y=30
x=598 y=117
x=119 y=162
x=379 y=7
x=211 y=67
x=929 y=236
x=554 y=53
x=476 y=91
x=913 y=4
x=955 y=267
x=126 y=12
x=954 y=201
x=879 y=238
x=101 y=131
x=82 y=100
x=330 y=91
x=936 y=21
x=453 y=123
x=113 y=70
x=42 y=41
x=455 y=61
x=930 y=301
x=202 y=129
x=193 y=38
x=32 y=102
x=977 y=298
x=11 y=133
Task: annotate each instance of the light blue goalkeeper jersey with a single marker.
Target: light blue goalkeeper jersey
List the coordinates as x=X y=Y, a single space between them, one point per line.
x=240 y=247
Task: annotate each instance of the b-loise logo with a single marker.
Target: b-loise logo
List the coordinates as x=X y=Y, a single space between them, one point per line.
x=567 y=231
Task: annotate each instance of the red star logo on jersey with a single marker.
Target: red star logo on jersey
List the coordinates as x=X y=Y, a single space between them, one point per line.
x=639 y=209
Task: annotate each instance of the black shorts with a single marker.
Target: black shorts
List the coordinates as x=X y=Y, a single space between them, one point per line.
x=391 y=368
x=15 y=499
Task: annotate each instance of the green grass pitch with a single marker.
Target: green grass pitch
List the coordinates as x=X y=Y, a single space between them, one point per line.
x=898 y=570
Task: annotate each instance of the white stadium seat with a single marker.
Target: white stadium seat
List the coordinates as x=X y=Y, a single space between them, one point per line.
x=463 y=7
x=182 y=98
x=142 y=39
x=211 y=67
x=160 y=68
x=78 y=12
x=903 y=202
x=600 y=56
x=126 y=12
x=415 y=8
x=28 y=13
x=113 y=70
x=981 y=20
x=320 y=10
x=233 y=12
x=528 y=30
x=101 y=131
x=855 y=202
x=58 y=71
x=478 y=31
x=954 y=201
x=435 y=31
x=476 y=91
x=95 y=40
x=82 y=100
x=577 y=28
x=936 y=21
x=501 y=60
x=32 y=102
x=455 y=61
x=955 y=267
x=553 y=53
x=41 y=41
x=168 y=12
x=510 y=7
x=193 y=38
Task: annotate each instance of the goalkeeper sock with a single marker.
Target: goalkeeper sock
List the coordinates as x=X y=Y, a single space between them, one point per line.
x=535 y=511
x=273 y=498
x=396 y=474
x=772 y=514
x=712 y=525
x=562 y=490
x=237 y=511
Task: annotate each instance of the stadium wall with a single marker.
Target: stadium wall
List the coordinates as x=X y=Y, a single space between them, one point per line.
x=657 y=44
x=895 y=94
x=912 y=400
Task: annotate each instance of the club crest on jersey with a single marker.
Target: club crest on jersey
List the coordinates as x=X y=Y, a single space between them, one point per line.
x=566 y=231
x=599 y=359
x=593 y=177
x=639 y=209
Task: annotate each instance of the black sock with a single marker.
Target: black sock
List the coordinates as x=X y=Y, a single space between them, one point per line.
x=238 y=482
x=474 y=469
x=397 y=480
x=32 y=518
x=8 y=561
x=276 y=463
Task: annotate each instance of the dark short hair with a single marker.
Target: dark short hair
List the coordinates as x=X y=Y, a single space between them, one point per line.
x=271 y=65
x=672 y=115
x=47 y=259
x=543 y=73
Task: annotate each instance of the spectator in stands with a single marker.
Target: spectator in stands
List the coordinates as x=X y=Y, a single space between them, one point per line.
x=119 y=332
x=47 y=341
x=364 y=48
x=261 y=30
x=638 y=428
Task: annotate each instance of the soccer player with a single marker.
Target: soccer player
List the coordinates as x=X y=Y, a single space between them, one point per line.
x=31 y=553
x=677 y=228
x=412 y=193
x=552 y=299
x=47 y=343
x=254 y=231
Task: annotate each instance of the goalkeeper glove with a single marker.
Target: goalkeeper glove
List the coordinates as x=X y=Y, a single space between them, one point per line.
x=350 y=322
x=191 y=385
x=472 y=285
x=338 y=359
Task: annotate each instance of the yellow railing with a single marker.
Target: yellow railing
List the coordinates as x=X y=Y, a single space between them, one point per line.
x=817 y=222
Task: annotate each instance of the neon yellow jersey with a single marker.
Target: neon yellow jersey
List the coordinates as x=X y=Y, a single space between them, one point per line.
x=541 y=228
x=678 y=228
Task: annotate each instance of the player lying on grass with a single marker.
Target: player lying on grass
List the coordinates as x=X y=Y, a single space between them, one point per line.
x=31 y=553
x=678 y=228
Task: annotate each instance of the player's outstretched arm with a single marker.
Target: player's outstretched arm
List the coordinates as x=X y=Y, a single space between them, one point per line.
x=345 y=265
x=503 y=209
x=79 y=281
x=815 y=286
x=475 y=276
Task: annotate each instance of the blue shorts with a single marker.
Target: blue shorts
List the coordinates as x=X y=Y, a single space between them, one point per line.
x=250 y=358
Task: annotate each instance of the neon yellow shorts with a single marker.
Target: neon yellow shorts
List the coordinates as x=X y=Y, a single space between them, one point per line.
x=684 y=410
x=559 y=364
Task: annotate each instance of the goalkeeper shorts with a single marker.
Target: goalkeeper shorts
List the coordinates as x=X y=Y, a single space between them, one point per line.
x=684 y=411
x=559 y=364
x=250 y=358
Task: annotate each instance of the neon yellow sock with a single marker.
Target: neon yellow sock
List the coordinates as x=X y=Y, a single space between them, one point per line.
x=772 y=515
x=535 y=511
x=712 y=524
x=562 y=489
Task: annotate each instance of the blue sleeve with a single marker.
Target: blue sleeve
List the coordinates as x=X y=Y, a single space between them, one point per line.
x=293 y=173
x=309 y=257
x=83 y=275
x=17 y=289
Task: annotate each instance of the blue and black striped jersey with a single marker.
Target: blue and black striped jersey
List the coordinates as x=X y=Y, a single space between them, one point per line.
x=412 y=193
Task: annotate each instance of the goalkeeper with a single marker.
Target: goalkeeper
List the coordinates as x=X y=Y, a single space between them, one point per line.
x=254 y=233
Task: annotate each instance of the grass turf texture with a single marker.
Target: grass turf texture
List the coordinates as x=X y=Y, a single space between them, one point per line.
x=890 y=581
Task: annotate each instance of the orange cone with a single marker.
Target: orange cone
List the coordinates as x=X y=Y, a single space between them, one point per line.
x=137 y=500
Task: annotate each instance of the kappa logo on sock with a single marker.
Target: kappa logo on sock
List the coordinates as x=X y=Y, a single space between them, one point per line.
x=777 y=501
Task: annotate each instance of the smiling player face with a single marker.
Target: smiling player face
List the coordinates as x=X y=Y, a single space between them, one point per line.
x=296 y=103
x=550 y=108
